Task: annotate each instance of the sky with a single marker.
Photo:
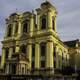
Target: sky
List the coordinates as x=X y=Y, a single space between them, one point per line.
x=68 y=18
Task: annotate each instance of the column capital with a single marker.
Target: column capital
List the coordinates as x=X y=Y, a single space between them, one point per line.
x=49 y=40
x=55 y=44
x=31 y=16
x=49 y=11
x=49 y=54
x=37 y=42
x=3 y=47
x=29 y=43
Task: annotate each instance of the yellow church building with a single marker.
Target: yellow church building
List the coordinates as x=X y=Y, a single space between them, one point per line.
x=31 y=43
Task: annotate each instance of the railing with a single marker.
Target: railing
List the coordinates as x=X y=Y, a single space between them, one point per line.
x=37 y=77
x=41 y=74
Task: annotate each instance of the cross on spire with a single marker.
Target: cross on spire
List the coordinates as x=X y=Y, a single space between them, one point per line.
x=46 y=0
x=16 y=9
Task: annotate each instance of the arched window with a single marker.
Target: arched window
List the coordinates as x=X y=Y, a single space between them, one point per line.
x=43 y=23
x=9 y=30
x=53 y=23
x=25 y=26
x=23 y=49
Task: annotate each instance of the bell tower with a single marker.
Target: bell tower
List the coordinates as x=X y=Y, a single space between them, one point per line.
x=46 y=35
x=46 y=16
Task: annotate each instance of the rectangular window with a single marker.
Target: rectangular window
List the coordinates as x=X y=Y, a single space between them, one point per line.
x=33 y=50
x=13 y=69
x=54 y=51
x=33 y=65
x=42 y=64
x=54 y=63
x=43 y=49
x=14 y=49
x=6 y=52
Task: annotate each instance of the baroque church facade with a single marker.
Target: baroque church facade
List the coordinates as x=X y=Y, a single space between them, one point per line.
x=31 y=43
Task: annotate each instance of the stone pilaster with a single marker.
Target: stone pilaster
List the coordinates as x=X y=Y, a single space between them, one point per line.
x=31 y=25
x=20 y=27
x=3 y=58
x=10 y=52
x=49 y=20
x=17 y=49
x=38 y=22
x=6 y=31
x=13 y=32
x=37 y=55
x=49 y=55
x=29 y=51
x=19 y=68
x=55 y=26
x=7 y=67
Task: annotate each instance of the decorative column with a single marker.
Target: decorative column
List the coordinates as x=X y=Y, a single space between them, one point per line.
x=49 y=55
x=7 y=69
x=37 y=56
x=31 y=24
x=49 y=20
x=13 y=32
x=20 y=70
x=17 y=48
x=38 y=22
x=20 y=27
x=29 y=51
x=6 y=31
x=10 y=52
x=3 y=58
x=55 y=26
